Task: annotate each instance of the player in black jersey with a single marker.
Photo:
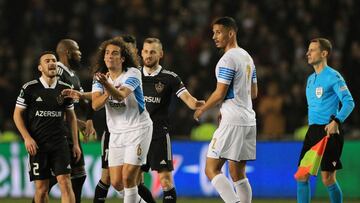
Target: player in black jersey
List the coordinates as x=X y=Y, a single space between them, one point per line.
x=69 y=61
x=39 y=116
x=159 y=86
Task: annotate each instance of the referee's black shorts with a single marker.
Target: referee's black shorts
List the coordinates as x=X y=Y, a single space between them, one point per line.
x=331 y=159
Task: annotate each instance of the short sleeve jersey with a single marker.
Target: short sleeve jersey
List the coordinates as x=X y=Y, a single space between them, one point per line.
x=236 y=69
x=44 y=111
x=159 y=87
x=130 y=113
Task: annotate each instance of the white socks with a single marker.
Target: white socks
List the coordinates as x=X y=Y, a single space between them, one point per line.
x=131 y=195
x=224 y=188
x=243 y=190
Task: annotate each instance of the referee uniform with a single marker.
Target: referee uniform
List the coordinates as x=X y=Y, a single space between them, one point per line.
x=324 y=93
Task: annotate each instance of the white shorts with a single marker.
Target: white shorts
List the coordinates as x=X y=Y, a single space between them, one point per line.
x=130 y=147
x=233 y=142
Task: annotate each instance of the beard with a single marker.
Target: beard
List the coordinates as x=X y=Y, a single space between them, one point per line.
x=74 y=64
x=150 y=64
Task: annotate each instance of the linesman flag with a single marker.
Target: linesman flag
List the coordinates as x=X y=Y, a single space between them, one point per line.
x=310 y=163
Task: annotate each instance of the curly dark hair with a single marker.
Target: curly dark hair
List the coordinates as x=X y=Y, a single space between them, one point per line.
x=131 y=59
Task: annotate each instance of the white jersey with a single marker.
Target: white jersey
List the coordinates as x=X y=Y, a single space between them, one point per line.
x=130 y=113
x=236 y=68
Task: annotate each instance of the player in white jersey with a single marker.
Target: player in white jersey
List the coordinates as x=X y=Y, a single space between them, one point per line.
x=235 y=138
x=118 y=86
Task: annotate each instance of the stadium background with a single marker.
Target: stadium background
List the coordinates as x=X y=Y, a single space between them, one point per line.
x=276 y=33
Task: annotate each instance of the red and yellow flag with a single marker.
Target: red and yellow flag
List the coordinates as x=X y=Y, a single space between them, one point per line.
x=311 y=161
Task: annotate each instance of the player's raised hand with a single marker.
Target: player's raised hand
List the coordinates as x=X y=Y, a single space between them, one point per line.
x=31 y=146
x=102 y=78
x=71 y=93
x=76 y=152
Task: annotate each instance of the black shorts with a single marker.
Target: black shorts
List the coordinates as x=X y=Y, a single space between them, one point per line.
x=331 y=158
x=159 y=157
x=54 y=162
x=105 y=149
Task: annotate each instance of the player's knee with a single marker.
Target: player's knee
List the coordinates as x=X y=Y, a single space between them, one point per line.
x=328 y=180
x=117 y=184
x=211 y=172
x=42 y=191
x=105 y=176
x=166 y=182
x=64 y=182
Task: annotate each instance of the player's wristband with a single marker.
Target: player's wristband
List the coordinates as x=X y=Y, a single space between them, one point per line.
x=333 y=118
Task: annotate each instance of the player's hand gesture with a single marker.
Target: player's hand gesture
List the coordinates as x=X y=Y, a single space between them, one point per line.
x=76 y=152
x=102 y=78
x=89 y=130
x=71 y=93
x=199 y=103
x=31 y=146
x=198 y=114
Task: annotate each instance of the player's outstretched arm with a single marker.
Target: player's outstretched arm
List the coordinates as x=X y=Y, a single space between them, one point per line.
x=191 y=101
x=215 y=98
x=30 y=143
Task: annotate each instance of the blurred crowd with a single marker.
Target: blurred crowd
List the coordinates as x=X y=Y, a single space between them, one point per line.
x=276 y=33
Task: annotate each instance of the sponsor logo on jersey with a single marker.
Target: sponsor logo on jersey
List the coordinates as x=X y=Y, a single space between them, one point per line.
x=48 y=113
x=117 y=105
x=159 y=87
x=319 y=92
x=150 y=99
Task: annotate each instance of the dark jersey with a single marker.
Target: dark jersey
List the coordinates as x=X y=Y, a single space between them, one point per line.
x=158 y=91
x=69 y=76
x=44 y=114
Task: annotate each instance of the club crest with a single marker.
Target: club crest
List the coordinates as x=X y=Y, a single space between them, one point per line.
x=159 y=87
x=60 y=99
x=319 y=92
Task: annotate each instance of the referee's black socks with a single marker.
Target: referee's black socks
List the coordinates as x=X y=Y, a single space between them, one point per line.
x=101 y=191
x=169 y=196
x=145 y=193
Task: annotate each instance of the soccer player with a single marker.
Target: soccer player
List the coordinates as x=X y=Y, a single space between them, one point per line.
x=325 y=90
x=235 y=138
x=102 y=187
x=69 y=61
x=117 y=86
x=159 y=86
x=39 y=117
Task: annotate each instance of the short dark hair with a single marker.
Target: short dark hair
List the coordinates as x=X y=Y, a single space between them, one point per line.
x=44 y=53
x=325 y=44
x=227 y=22
x=151 y=40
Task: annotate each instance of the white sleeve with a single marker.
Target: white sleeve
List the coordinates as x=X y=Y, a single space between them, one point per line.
x=225 y=70
x=97 y=86
x=133 y=79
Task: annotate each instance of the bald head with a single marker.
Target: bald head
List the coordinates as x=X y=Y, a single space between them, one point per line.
x=68 y=51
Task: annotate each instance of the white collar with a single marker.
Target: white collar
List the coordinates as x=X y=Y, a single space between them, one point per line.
x=156 y=72
x=43 y=82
